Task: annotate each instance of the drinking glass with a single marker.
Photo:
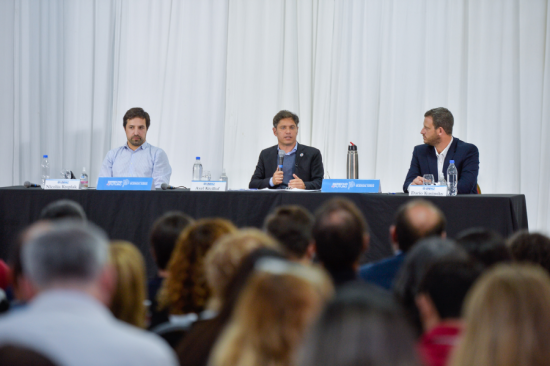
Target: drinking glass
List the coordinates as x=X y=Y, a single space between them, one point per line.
x=428 y=179
x=207 y=176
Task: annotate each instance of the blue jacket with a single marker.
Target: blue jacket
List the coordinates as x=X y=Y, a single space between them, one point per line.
x=465 y=155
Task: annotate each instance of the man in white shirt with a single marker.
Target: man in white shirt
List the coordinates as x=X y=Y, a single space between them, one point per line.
x=137 y=158
x=68 y=321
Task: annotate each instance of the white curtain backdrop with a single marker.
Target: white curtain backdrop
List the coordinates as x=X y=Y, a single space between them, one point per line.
x=212 y=74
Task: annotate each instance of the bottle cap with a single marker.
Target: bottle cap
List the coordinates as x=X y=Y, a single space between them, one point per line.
x=198 y=158
x=451 y=162
x=45 y=156
x=352 y=148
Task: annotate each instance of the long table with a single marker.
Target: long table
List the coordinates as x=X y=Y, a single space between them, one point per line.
x=129 y=215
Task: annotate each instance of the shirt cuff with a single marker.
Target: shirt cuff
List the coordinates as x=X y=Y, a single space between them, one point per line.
x=271 y=182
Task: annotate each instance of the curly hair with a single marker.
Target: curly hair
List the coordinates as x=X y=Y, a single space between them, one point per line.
x=185 y=290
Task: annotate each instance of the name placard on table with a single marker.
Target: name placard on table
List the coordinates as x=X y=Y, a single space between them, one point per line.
x=213 y=185
x=439 y=190
x=351 y=185
x=124 y=184
x=62 y=184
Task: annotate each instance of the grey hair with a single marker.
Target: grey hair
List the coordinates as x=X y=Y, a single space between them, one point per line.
x=69 y=251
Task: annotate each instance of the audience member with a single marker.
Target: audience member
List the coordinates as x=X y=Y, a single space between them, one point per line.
x=486 y=246
x=273 y=313
x=226 y=256
x=291 y=226
x=164 y=235
x=68 y=320
x=439 y=301
x=63 y=209
x=414 y=220
x=507 y=319
x=425 y=253
x=530 y=247
x=20 y=356
x=128 y=303
x=195 y=348
x=341 y=235
x=185 y=292
x=361 y=326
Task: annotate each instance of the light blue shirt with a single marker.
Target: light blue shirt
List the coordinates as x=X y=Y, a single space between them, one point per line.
x=293 y=151
x=146 y=161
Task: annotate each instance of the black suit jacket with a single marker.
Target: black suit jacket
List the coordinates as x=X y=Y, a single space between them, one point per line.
x=309 y=167
x=465 y=155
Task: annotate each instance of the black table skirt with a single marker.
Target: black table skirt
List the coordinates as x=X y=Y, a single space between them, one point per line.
x=129 y=215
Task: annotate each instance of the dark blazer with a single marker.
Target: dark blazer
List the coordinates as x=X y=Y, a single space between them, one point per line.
x=309 y=167
x=383 y=272
x=465 y=155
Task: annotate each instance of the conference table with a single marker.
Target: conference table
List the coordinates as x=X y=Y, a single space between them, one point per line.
x=129 y=215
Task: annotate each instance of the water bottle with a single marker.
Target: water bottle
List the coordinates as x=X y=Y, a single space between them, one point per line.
x=224 y=178
x=83 y=179
x=45 y=169
x=352 y=166
x=197 y=169
x=452 y=178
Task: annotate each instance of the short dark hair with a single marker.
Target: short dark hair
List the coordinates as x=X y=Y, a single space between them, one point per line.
x=63 y=209
x=164 y=234
x=291 y=225
x=407 y=233
x=285 y=114
x=530 y=247
x=443 y=118
x=447 y=282
x=136 y=113
x=484 y=245
x=339 y=231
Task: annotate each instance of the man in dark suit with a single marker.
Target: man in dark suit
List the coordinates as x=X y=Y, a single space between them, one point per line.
x=439 y=148
x=302 y=165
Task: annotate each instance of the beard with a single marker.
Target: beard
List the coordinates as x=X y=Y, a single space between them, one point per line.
x=136 y=142
x=433 y=141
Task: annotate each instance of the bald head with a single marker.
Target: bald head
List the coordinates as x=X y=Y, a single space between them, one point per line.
x=415 y=220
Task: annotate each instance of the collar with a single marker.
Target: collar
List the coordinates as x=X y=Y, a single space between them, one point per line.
x=292 y=151
x=445 y=150
x=142 y=147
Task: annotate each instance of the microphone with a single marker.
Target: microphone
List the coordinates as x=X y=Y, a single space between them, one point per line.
x=28 y=184
x=166 y=186
x=281 y=158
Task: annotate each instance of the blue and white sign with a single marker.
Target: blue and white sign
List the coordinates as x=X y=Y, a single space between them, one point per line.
x=62 y=184
x=213 y=186
x=438 y=190
x=124 y=184
x=351 y=185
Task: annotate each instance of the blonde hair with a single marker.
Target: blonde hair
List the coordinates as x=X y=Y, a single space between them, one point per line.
x=271 y=317
x=227 y=254
x=185 y=290
x=128 y=302
x=507 y=317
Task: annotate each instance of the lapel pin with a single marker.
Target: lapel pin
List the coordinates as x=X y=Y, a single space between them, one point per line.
x=302 y=154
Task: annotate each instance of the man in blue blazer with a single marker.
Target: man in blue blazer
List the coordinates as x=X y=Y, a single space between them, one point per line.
x=439 y=148
x=302 y=165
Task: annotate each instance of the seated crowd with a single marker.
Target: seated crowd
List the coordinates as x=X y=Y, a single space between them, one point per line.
x=292 y=294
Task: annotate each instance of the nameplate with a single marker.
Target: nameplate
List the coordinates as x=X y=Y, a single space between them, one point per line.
x=62 y=184
x=351 y=185
x=203 y=185
x=124 y=184
x=427 y=190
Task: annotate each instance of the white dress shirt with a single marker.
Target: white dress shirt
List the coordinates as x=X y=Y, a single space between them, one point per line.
x=440 y=160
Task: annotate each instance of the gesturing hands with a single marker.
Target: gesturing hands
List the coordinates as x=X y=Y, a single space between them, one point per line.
x=296 y=182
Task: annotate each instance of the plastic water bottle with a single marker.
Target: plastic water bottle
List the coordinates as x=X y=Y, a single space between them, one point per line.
x=224 y=178
x=452 y=178
x=45 y=169
x=197 y=169
x=83 y=179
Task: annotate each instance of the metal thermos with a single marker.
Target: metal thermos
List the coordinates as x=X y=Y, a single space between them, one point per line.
x=352 y=167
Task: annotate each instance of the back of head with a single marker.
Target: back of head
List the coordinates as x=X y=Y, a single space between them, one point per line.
x=425 y=253
x=361 y=326
x=486 y=246
x=442 y=117
x=68 y=252
x=447 y=282
x=507 y=315
x=63 y=209
x=339 y=232
x=291 y=226
x=129 y=297
x=277 y=305
x=19 y=356
x=165 y=233
x=530 y=247
x=418 y=219
x=185 y=289
x=227 y=254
